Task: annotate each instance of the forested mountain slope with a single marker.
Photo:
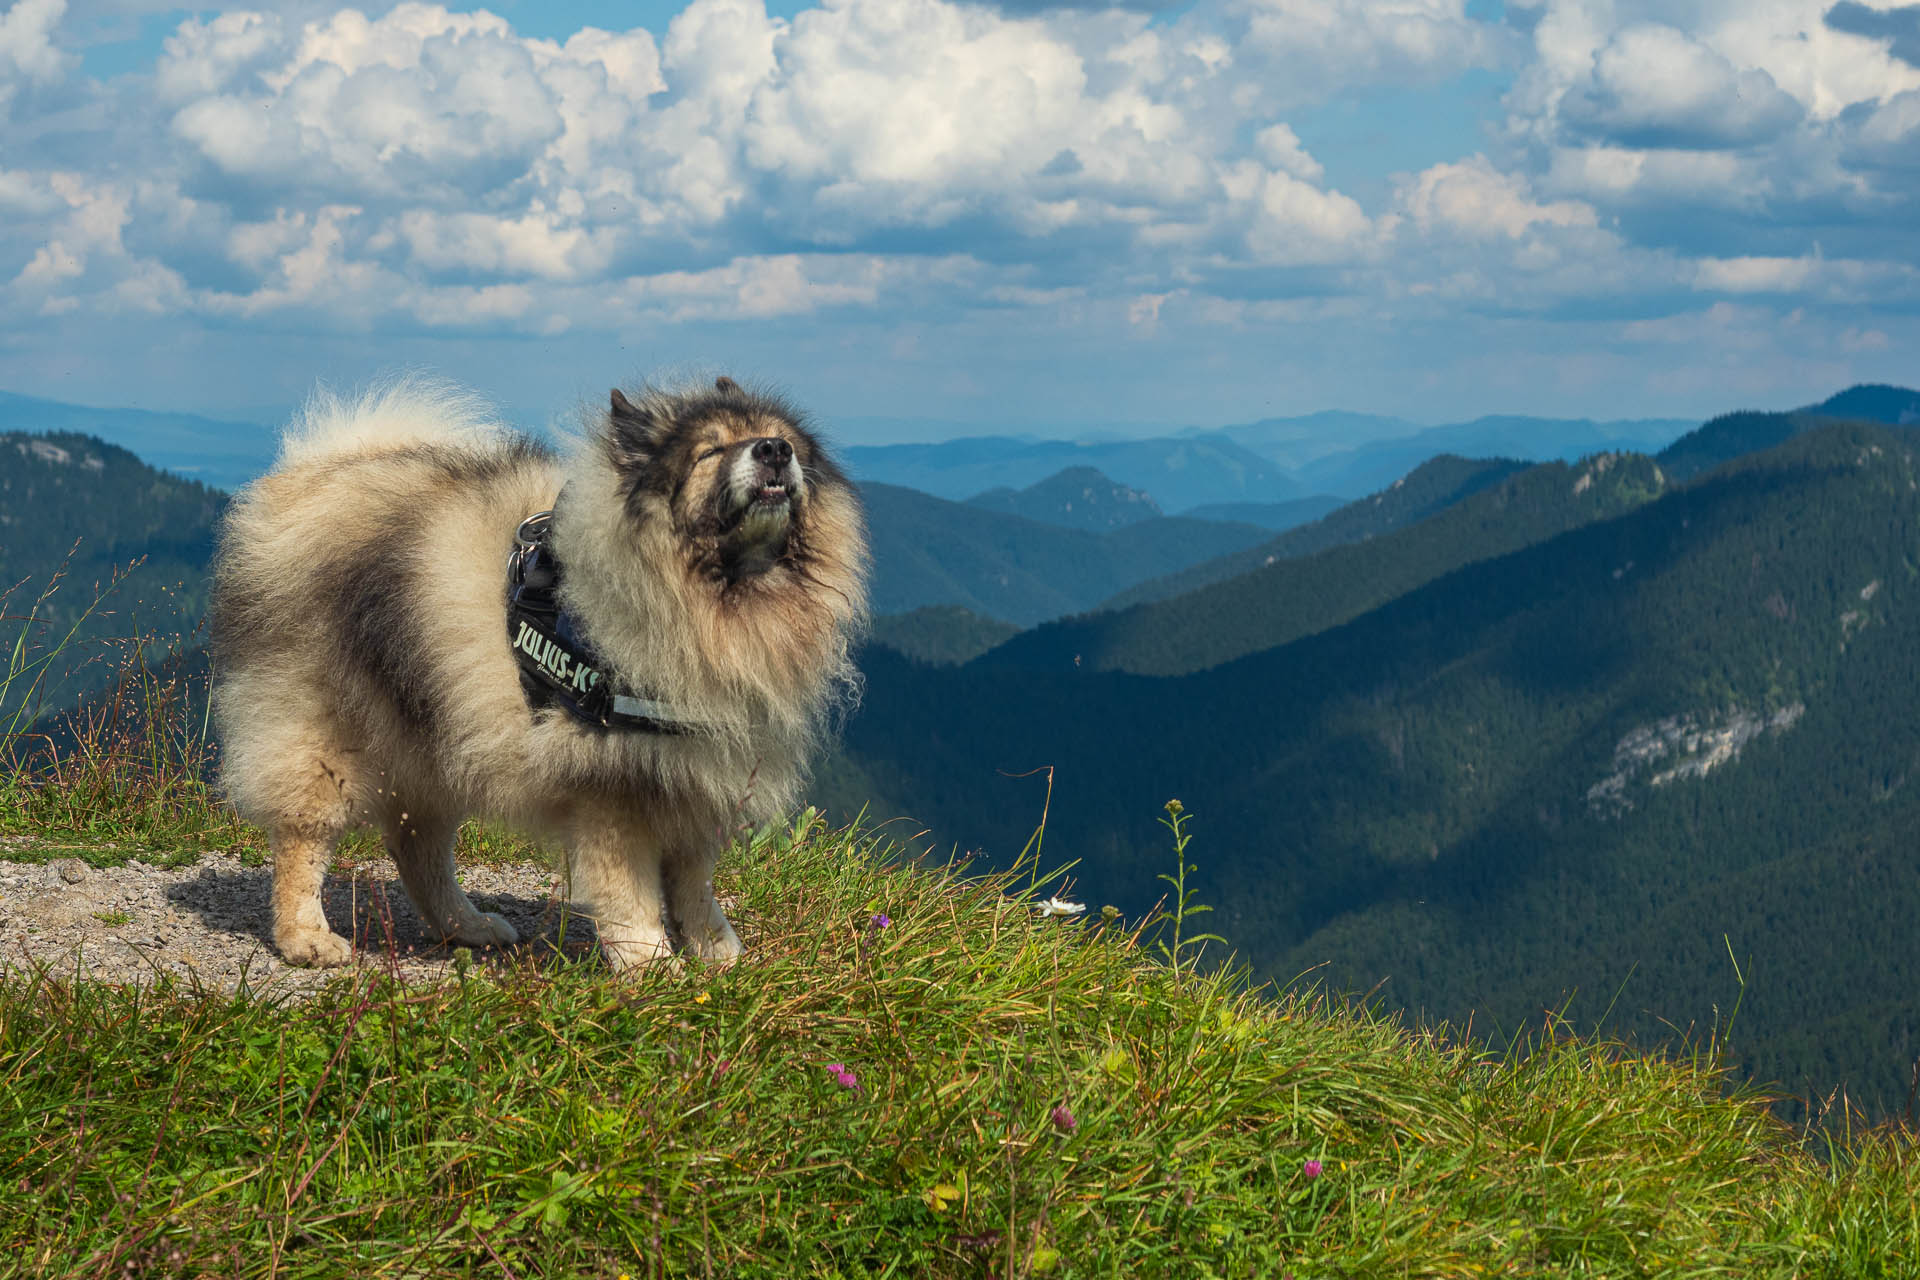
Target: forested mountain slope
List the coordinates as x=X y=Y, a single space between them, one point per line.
x=1589 y=765
x=1733 y=434
x=1427 y=490
x=943 y=634
x=61 y=488
x=928 y=551
x=1287 y=599
x=1277 y=516
x=74 y=501
x=1873 y=402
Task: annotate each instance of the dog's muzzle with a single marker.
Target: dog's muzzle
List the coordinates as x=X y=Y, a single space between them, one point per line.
x=766 y=478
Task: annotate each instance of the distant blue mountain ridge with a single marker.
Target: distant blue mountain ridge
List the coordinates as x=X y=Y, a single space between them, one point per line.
x=223 y=454
x=1197 y=472
x=1177 y=471
x=1361 y=470
x=1271 y=464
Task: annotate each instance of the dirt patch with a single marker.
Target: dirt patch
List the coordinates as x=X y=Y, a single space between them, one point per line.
x=210 y=921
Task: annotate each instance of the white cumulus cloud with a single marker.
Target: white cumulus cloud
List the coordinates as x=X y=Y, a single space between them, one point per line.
x=1473 y=198
x=1654 y=86
x=28 y=54
x=202 y=58
x=419 y=100
x=429 y=167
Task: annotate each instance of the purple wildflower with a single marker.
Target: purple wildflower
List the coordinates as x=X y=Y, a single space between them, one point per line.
x=1311 y=1168
x=1063 y=1118
x=843 y=1076
x=880 y=921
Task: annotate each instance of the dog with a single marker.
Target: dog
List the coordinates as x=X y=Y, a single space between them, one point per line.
x=632 y=646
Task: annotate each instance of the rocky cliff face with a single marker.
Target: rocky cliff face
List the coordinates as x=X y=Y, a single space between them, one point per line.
x=1689 y=745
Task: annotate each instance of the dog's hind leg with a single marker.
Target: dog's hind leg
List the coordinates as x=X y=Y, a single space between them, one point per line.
x=696 y=913
x=302 y=838
x=616 y=877
x=422 y=847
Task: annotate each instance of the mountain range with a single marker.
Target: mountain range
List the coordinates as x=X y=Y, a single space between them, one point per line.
x=1426 y=491
x=1179 y=472
x=1258 y=465
x=1286 y=598
x=929 y=551
x=1370 y=466
x=1657 y=745
x=1635 y=738
x=1263 y=463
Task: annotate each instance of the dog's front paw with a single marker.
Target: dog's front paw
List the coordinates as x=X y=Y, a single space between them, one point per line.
x=317 y=948
x=487 y=930
x=626 y=953
x=719 y=944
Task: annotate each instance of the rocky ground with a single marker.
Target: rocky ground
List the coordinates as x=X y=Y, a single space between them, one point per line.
x=209 y=922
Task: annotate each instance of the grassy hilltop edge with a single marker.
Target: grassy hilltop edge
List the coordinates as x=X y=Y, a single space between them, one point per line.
x=912 y=1073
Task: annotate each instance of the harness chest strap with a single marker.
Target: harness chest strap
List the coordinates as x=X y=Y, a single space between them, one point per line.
x=557 y=666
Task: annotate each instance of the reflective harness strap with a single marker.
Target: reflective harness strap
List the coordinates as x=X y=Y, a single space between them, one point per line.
x=557 y=666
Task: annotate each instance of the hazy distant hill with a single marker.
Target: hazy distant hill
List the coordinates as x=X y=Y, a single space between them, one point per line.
x=1277 y=516
x=1275 y=460
x=1370 y=466
x=1076 y=498
x=1428 y=489
x=224 y=455
x=1179 y=472
x=1304 y=437
x=930 y=551
x=1286 y=599
x=1589 y=765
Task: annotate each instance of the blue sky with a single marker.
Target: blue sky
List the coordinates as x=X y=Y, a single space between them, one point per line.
x=1025 y=216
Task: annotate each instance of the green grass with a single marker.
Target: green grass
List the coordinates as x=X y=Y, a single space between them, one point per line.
x=558 y=1120
x=970 y=1089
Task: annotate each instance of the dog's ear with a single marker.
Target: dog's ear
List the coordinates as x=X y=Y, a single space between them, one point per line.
x=726 y=386
x=632 y=431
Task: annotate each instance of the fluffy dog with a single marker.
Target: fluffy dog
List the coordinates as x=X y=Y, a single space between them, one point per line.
x=711 y=569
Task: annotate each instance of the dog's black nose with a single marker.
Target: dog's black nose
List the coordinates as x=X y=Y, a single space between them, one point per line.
x=773 y=451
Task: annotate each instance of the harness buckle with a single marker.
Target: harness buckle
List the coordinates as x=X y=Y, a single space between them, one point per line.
x=533 y=529
x=524 y=562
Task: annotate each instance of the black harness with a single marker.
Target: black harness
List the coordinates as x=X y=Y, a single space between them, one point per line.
x=557 y=665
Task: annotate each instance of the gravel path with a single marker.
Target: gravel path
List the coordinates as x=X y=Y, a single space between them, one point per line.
x=210 y=920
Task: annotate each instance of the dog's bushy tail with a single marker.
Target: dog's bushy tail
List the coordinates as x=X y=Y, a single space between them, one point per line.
x=396 y=413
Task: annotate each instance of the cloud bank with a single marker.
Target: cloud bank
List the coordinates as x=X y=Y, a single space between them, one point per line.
x=427 y=172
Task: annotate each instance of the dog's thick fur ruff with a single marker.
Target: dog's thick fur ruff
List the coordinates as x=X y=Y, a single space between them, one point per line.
x=714 y=557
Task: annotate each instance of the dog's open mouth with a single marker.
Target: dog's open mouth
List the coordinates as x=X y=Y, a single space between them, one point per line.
x=769 y=495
